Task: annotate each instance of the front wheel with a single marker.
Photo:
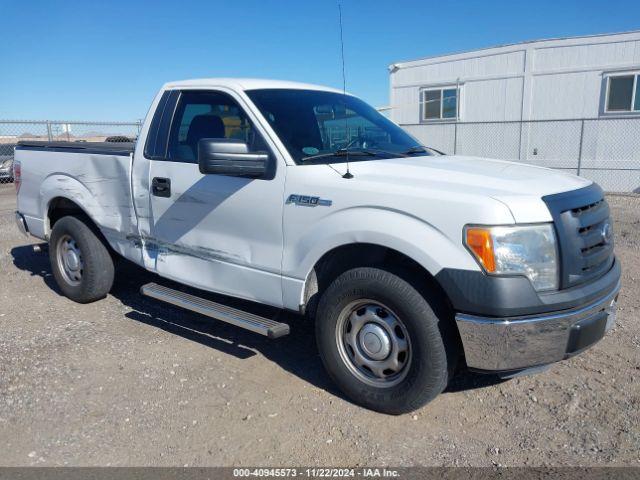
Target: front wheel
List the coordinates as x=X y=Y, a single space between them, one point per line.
x=382 y=342
x=80 y=261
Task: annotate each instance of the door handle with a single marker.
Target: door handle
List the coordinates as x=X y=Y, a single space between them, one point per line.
x=161 y=187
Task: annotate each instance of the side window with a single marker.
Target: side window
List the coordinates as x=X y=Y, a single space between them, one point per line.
x=208 y=115
x=150 y=146
x=155 y=148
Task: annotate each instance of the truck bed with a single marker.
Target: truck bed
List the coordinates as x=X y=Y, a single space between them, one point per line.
x=93 y=175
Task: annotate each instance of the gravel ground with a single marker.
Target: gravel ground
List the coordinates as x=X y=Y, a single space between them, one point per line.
x=128 y=381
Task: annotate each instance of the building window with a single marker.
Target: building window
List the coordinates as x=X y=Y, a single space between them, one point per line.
x=439 y=103
x=623 y=93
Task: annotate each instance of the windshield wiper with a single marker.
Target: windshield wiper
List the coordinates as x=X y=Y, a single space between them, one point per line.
x=341 y=152
x=415 y=149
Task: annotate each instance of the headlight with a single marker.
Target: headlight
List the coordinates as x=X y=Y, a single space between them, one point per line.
x=528 y=250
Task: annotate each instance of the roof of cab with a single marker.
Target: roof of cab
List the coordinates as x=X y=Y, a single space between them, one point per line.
x=246 y=84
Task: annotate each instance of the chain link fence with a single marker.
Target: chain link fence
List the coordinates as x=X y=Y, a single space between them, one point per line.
x=606 y=150
x=13 y=131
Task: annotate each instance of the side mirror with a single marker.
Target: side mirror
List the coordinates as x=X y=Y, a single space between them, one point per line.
x=228 y=156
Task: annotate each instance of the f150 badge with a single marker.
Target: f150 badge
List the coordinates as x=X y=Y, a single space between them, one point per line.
x=308 y=201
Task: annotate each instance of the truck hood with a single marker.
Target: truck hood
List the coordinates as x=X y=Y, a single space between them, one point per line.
x=519 y=186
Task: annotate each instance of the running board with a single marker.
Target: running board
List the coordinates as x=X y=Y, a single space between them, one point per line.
x=248 y=321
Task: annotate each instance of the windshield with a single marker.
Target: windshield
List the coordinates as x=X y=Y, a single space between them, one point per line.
x=322 y=127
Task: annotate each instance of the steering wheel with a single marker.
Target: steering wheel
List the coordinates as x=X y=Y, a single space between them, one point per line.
x=369 y=143
x=363 y=141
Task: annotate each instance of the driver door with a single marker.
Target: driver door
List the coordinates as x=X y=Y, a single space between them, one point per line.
x=216 y=232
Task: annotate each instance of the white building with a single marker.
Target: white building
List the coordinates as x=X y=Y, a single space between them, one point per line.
x=529 y=102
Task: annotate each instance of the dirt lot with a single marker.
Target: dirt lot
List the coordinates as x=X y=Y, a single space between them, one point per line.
x=127 y=381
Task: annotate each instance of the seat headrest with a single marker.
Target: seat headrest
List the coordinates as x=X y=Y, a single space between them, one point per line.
x=205 y=126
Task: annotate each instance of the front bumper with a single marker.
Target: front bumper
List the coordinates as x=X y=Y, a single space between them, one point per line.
x=514 y=343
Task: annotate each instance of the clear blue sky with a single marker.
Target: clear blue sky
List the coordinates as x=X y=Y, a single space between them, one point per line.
x=89 y=60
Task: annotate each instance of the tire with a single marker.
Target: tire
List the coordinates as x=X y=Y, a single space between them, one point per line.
x=418 y=375
x=80 y=261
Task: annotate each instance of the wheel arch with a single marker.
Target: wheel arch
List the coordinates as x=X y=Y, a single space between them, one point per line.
x=60 y=206
x=345 y=257
x=60 y=193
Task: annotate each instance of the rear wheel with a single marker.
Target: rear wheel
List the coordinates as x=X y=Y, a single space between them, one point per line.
x=80 y=261
x=382 y=342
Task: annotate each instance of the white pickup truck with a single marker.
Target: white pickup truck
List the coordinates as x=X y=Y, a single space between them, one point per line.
x=304 y=198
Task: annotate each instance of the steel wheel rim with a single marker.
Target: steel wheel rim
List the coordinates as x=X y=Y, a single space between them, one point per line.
x=373 y=343
x=69 y=259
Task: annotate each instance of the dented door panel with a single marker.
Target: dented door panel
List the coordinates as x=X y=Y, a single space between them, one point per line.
x=217 y=232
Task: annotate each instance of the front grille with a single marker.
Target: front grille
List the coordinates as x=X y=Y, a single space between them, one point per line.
x=583 y=227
